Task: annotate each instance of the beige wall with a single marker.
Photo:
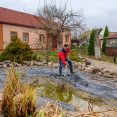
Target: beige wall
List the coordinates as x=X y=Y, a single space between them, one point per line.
x=64 y=36
x=33 y=34
x=1 y=37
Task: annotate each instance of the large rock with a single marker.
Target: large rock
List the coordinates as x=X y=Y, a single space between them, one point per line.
x=95 y=70
x=25 y=62
x=105 y=71
x=108 y=75
x=7 y=61
x=99 y=73
x=82 y=67
x=1 y=66
x=50 y=63
x=15 y=64
x=1 y=63
x=19 y=65
x=38 y=63
x=4 y=65
x=11 y=65
x=32 y=63
x=56 y=65
x=76 y=65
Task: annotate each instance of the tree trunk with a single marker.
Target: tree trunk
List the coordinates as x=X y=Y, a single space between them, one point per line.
x=97 y=52
x=96 y=43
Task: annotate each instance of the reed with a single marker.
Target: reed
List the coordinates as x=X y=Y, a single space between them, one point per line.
x=18 y=99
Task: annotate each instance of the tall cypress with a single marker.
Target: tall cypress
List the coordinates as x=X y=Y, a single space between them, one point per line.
x=91 y=44
x=106 y=34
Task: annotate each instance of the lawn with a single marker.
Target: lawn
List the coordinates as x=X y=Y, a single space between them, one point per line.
x=84 y=53
x=53 y=56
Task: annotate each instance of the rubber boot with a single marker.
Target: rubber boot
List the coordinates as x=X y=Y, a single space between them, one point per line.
x=71 y=70
x=60 y=72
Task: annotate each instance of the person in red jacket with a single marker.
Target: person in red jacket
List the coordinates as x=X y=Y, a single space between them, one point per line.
x=63 y=58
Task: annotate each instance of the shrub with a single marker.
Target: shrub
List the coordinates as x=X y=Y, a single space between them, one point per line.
x=18 y=99
x=74 y=57
x=17 y=51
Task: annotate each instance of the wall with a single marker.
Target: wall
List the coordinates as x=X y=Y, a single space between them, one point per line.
x=64 y=36
x=33 y=34
x=1 y=37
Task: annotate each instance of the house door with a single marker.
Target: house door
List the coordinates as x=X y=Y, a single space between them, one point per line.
x=54 y=41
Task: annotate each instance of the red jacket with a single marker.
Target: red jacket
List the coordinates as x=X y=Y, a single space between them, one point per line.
x=63 y=54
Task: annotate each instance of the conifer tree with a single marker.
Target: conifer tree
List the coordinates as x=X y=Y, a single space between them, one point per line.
x=106 y=34
x=91 y=44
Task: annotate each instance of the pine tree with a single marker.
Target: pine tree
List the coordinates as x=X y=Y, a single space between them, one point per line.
x=91 y=44
x=106 y=34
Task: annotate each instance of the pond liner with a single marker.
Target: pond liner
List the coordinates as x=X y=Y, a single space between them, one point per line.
x=78 y=80
x=43 y=101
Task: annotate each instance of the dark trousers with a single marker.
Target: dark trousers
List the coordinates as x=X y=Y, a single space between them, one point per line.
x=61 y=63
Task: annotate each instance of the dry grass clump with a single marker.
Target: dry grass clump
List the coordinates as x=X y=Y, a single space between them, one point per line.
x=18 y=99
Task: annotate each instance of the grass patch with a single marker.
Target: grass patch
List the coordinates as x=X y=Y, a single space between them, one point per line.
x=84 y=52
x=53 y=56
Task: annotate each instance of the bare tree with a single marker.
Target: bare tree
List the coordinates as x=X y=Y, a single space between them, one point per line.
x=66 y=20
x=96 y=43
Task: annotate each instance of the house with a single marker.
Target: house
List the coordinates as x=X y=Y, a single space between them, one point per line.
x=111 y=45
x=30 y=29
x=101 y=38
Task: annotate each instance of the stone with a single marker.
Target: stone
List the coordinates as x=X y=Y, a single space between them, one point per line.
x=1 y=63
x=7 y=61
x=28 y=64
x=105 y=71
x=19 y=65
x=95 y=70
x=50 y=64
x=4 y=65
x=1 y=66
x=75 y=64
x=15 y=64
x=107 y=75
x=25 y=62
x=32 y=63
x=11 y=65
x=7 y=64
x=55 y=65
x=45 y=63
x=99 y=73
x=39 y=63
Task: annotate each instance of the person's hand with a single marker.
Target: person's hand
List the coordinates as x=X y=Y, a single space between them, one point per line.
x=65 y=66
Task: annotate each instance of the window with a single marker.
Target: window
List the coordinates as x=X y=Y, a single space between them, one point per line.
x=67 y=38
x=41 y=38
x=25 y=37
x=13 y=34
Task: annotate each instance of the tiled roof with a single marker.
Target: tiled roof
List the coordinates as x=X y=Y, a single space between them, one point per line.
x=8 y=16
x=112 y=36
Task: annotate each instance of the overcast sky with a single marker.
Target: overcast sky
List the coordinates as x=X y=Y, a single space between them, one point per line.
x=97 y=13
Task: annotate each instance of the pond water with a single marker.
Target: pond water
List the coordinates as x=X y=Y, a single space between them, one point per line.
x=65 y=93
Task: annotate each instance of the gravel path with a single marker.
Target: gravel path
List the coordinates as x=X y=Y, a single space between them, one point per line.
x=101 y=64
